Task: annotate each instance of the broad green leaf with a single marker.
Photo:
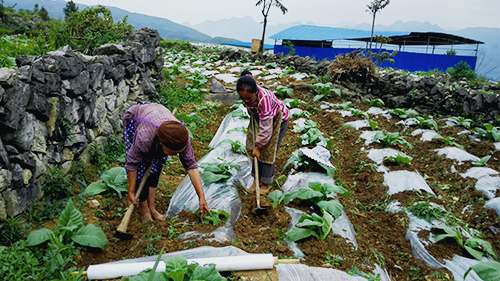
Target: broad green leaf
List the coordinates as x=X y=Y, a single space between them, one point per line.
x=173 y=263
x=177 y=274
x=276 y=196
x=327 y=224
x=296 y=234
x=70 y=216
x=337 y=92
x=90 y=236
x=116 y=178
x=39 y=236
x=333 y=207
x=303 y=193
x=487 y=271
x=481 y=162
x=209 y=177
x=96 y=187
x=317 y=97
x=206 y=273
x=309 y=222
x=475 y=243
x=478 y=255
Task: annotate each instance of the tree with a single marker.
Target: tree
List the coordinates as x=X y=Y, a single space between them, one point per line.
x=69 y=9
x=35 y=9
x=44 y=14
x=373 y=8
x=266 y=5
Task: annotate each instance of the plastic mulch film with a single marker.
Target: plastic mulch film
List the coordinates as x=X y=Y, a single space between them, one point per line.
x=368 y=136
x=488 y=186
x=497 y=145
x=301 y=272
x=341 y=226
x=358 y=124
x=379 y=111
x=479 y=172
x=493 y=204
x=399 y=181
x=458 y=265
x=231 y=128
x=297 y=112
x=456 y=153
x=378 y=155
x=427 y=135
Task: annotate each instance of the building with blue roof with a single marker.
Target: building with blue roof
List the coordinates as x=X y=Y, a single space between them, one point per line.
x=416 y=51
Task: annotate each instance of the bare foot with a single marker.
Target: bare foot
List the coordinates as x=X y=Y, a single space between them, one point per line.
x=156 y=215
x=145 y=214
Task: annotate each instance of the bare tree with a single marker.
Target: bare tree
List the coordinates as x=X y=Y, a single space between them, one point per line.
x=373 y=8
x=266 y=5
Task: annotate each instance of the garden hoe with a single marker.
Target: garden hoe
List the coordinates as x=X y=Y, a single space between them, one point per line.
x=259 y=210
x=121 y=231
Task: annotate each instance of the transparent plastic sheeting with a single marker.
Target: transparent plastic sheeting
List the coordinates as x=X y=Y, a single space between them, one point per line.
x=341 y=226
x=486 y=184
x=399 y=181
x=378 y=155
x=427 y=135
x=456 y=153
x=457 y=266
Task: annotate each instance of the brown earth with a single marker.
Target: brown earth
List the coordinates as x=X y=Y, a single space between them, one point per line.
x=380 y=235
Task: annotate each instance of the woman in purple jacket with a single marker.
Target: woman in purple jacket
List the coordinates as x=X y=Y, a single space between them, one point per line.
x=152 y=133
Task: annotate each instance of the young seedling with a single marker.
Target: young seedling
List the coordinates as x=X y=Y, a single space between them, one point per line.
x=311 y=225
x=312 y=137
x=284 y=92
x=373 y=124
x=236 y=146
x=489 y=132
x=390 y=139
x=324 y=90
x=217 y=172
x=359 y=113
x=422 y=123
x=213 y=218
x=481 y=162
x=402 y=113
x=375 y=102
x=277 y=197
x=447 y=141
x=462 y=121
x=401 y=158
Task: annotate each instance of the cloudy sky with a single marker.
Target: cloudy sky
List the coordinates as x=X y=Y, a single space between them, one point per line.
x=452 y=14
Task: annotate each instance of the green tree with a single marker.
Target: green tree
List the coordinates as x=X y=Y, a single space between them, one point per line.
x=44 y=14
x=69 y=9
x=35 y=9
x=373 y=8
x=266 y=5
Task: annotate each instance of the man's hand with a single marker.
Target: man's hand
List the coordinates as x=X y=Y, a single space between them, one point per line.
x=131 y=198
x=256 y=152
x=204 y=210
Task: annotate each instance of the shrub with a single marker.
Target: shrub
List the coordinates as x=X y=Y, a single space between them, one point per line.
x=462 y=70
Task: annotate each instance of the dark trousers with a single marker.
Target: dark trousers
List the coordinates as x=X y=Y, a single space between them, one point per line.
x=266 y=171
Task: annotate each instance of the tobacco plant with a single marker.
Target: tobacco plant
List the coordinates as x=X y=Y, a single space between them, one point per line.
x=390 y=139
x=447 y=141
x=112 y=180
x=402 y=113
x=489 y=132
x=422 y=123
x=311 y=225
x=217 y=172
x=213 y=218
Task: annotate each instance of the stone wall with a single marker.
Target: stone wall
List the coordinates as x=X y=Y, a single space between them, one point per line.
x=53 y=107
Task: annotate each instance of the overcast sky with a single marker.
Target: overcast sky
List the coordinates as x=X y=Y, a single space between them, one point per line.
x=452 y=14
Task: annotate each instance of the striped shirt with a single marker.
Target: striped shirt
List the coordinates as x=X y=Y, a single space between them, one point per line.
x=267 y=106
x=143 y=146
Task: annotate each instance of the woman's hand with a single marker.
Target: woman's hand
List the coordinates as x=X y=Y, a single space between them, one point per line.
x=131 y=198
x=204 y=210
x=256 y=152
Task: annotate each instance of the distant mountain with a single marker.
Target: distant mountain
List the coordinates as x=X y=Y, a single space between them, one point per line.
x=166 y=28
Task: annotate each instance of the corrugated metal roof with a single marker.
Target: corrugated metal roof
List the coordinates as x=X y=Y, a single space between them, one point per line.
x=322 y=33
x=247 y=44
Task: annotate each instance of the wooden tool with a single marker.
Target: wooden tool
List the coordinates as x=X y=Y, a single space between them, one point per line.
x=122 y=228
x=259 y=209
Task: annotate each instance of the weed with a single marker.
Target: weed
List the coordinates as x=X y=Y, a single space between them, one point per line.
x=334 y=261
x=57 y=185
x=13 y=230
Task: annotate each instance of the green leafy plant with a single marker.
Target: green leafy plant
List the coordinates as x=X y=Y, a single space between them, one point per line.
x=277 y=197
x=487 y=271
x=447 y=140
x=57 y=185
x=428 y=211
x=344 y=106
x=333 y=260
x=12 y=230
x=236 y=146
x=368 y=276
x=308 y=124
x=214 y=217
x=177 y=269
x=390 y=139
x=401 y=113
x=359 y=113
x=312 y=137
x=70 y=227
x=489 y=132
x=474 y=246
x=241 y=113
x=375 y=102
x=311 y=225
x=373 y=124
x=284 y=92
x=462 y=70
x=401 y=158
x=318 y=194
x=217 y=172
x=481 y=162
x=292 y=103
x=324 y=90
x=422 y=123
x=114 y=179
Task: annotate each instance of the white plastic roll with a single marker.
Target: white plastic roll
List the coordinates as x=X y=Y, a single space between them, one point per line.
x=230 y=263
x=237 y=263
x=117 y=270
